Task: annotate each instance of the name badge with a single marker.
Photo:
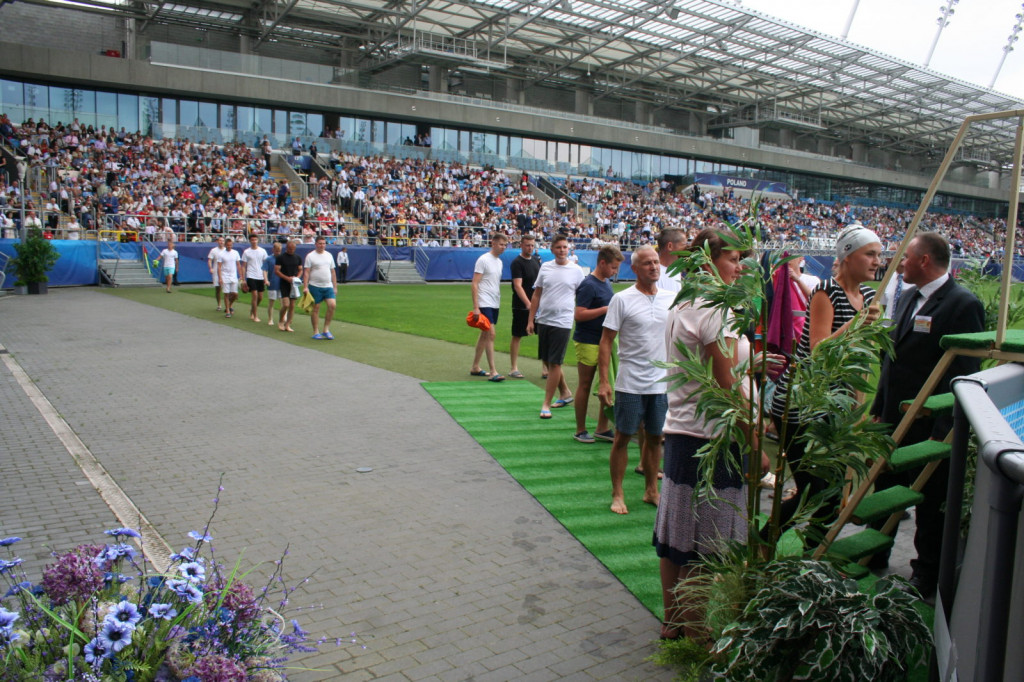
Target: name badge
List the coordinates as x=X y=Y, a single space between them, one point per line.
x=922 y=324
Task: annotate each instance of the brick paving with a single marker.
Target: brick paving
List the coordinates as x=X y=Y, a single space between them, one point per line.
x=443 y=566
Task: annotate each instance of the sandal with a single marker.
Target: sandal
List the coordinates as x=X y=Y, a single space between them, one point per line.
x=516 y=374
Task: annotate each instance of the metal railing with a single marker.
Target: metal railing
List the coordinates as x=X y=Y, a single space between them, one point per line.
x=421 y=260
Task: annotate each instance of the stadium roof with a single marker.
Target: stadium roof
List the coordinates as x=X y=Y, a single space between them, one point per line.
x=729 y=64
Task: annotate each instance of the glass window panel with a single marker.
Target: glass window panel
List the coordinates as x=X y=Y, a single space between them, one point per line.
x=12 y=94
x=208 y=114
x=362 y=131
x=188 y=112
x=228 y=117
x=128 y=112
x=245 y=119
x=264 y=120
x=562 y=152
x=315 y=125
x=37 y=101
x=377 y=131
x=149 y=113
x=515 y=146
x=280 y=121
x=169 y=111
x=106 y=102
x=464 y=145
x=393 y=133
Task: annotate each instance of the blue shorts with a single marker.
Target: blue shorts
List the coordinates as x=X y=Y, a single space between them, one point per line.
x=168 y=272
x=632 y=409
x=321 y=294
x=491 y=314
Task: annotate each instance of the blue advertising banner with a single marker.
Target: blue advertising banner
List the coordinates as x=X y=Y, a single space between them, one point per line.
x=726 y=181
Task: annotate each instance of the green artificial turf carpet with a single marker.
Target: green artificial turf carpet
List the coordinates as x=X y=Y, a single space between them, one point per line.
x=570 y=479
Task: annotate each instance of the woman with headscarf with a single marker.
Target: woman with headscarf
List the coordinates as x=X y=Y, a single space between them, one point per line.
x=834 y=304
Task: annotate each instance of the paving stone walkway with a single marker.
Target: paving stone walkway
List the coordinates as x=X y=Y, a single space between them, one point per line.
x=443 y=566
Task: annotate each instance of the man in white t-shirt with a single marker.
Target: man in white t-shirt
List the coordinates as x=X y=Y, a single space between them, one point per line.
x=670 y=242
x=211 y=262
x=255 y=275
x=636 y=316
x=320 y=280
x=169 y=261
x=228 y=272
x=486 y=292
x=551 y=316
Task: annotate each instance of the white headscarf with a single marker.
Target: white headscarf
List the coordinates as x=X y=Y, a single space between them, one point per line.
x=854 y=237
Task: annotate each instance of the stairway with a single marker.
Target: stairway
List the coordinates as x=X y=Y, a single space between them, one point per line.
x=400 y=272
x=127 y=273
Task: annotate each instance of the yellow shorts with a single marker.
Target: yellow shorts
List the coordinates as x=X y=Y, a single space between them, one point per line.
x=586 y=353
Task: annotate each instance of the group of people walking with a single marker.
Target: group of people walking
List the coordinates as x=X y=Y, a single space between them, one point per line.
x=650 y=325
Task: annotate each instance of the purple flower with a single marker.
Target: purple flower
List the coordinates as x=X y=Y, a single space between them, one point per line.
x=7 y=542
x=125 y=532
x=185 y=590
x=115 y=552
x=187 y=554
x=193 y=571
x=125 y=612
x=162 y=611
x=116 y=635
x=74 y=576
x=95 y=652
x=8 y=565
x=218 y=669
x=200 y=537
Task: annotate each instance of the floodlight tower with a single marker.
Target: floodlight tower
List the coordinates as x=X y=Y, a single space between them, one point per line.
x=1008 y=48
x=945 y=13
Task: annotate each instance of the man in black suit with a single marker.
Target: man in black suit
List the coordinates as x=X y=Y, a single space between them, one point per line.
x=937 y=307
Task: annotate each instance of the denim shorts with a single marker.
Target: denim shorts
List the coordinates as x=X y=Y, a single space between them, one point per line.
x=632 y=409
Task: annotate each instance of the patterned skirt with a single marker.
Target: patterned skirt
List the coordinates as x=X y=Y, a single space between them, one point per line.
x=687 y=526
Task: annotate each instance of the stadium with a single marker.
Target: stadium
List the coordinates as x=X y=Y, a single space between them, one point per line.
x=409 y=133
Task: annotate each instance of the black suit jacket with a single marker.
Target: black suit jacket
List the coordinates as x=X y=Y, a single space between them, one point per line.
x=953 y=310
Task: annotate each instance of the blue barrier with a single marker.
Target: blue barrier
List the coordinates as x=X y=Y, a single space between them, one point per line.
x=75 y=267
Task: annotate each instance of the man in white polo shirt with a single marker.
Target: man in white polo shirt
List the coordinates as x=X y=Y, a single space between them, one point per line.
x=551 y=315
x=486 y=291
x=227 y=269
x=636 y=316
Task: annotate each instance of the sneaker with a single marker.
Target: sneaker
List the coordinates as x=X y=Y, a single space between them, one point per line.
x=607 y=436
x=583 y=437
x=318 y=337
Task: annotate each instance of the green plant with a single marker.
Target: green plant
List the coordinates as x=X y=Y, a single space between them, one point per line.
x=34 y=257
x=986 y=288
x=807 y=622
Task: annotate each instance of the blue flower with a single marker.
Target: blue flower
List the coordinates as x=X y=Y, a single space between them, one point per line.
x=187 y=554
x=120 y=578
x=8 y=565
x=193 y=571
x=95 y=652
x=115 y=635
x=162 y=611
x=115 y=552
x=7 y=618
x=18 y=587
x=126 y=532
x=196 y=535
x=7 y=542
x=185 y=590
x=125 y=612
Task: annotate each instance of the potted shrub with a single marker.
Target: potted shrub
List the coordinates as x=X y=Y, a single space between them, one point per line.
x=34 y=257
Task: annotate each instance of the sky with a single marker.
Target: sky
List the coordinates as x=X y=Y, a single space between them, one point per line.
x=970 y=47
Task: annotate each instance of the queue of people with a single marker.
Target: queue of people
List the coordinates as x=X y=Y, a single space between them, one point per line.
x=650 y=325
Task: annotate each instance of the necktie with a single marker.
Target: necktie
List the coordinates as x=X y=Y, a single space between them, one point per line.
x=908 y=314
x=899 y=292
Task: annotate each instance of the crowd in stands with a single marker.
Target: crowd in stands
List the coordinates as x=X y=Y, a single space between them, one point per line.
x=107 y=179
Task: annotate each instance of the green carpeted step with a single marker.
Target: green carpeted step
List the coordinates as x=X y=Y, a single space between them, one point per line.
x=1013 y=341
x=859 y=545
x=884 y=503
x=854 y=570
x=919 y=454
x=938 y=405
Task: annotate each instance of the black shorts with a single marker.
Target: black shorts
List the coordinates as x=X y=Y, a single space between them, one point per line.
x=552 y=343
x=520 y=316
x=255 y=284
x=285 y=289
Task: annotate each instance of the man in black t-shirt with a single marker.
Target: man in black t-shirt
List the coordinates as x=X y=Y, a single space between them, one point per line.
x=524 y=273
x=288 y=267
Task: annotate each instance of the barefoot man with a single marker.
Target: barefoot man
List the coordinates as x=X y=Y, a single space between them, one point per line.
x=637 y=316
x=288 y=267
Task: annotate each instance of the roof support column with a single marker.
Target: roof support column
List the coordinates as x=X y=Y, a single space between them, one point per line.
x=584 y=102
x=514 y=92
x=643 y=115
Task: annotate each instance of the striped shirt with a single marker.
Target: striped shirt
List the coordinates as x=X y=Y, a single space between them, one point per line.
x=842 y=312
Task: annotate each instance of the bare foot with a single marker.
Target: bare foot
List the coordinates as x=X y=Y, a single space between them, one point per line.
x=256 y=319
x=619 y=505
x=281 y=327
x=289 y=329
x=652 y=498
x=270 y=322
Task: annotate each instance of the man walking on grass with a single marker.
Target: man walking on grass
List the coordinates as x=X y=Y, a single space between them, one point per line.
x=255 y=275
x=288 y=267
x=228 y=271
x=637 y=316
x=592 y=298
x=213 y=263
x=320 y=281
x=486 y=292
x=551 y=315
x=524 y=274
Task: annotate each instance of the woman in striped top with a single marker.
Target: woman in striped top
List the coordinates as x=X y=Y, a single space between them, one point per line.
x=834 y=304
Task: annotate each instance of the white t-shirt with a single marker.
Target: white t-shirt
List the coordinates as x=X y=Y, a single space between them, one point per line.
x=489 y=289
x=558 y=298
x=319 y=266
x=671 y=284
x=169 y=258
x=227 y=263
x=253 y=259
x=212 y=257
x=695 y=328
x=639 y=320
x=342 y=258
